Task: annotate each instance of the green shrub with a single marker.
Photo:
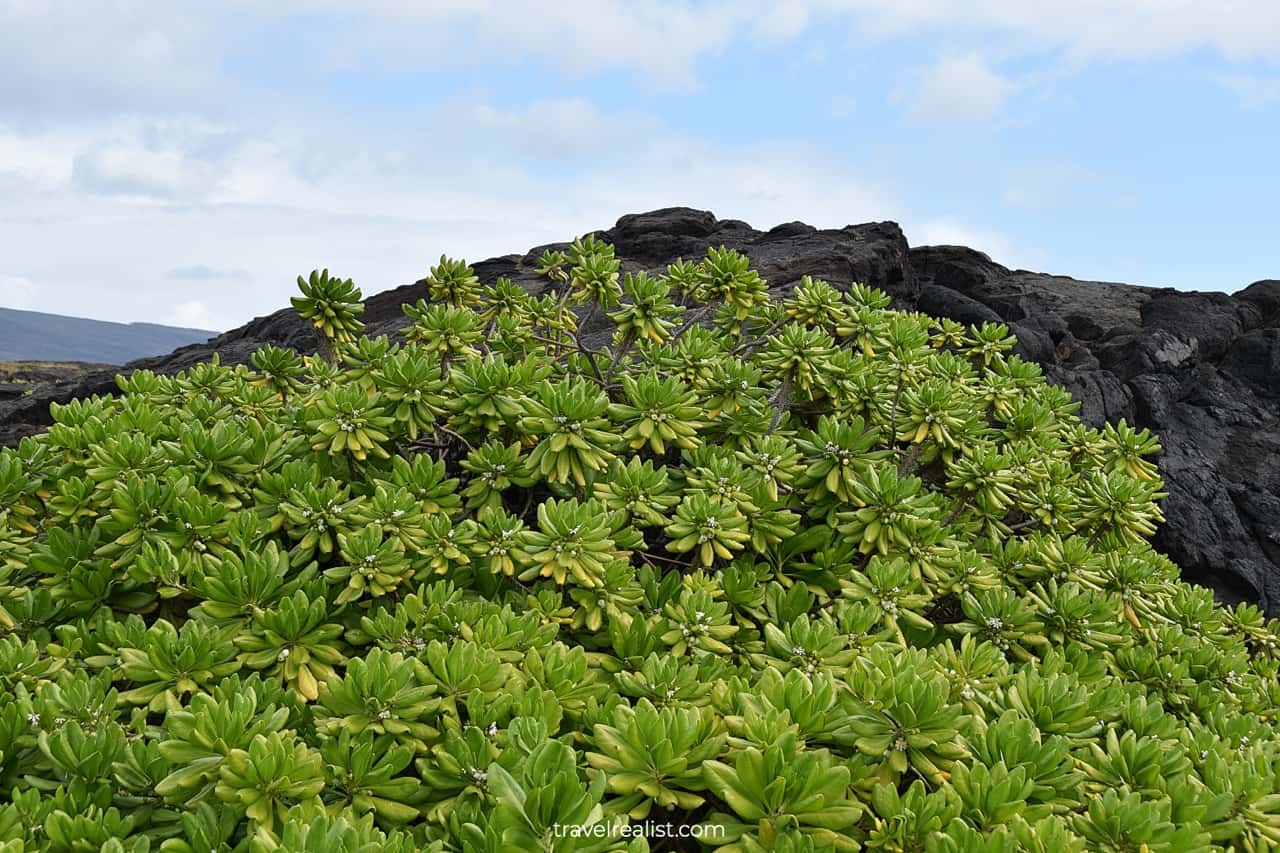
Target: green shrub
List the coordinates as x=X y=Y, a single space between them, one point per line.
x=811 y=574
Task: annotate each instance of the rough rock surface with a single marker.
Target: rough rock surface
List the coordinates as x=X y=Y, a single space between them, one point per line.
x=1200 y=369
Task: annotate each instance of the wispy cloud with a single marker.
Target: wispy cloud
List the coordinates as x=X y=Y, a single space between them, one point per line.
x=16 y=291
x=250 y=142
x=663 y=40
x=1098 y=29
x=568 y=129
x=960 y=89
x=195 y=315
x=200 y=272
x=947 y=232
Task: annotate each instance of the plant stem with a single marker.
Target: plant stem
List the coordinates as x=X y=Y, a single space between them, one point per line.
x=694 y=317
x=747 y=348
x=893 y=412
x=909 y=460
x=327 y=351
x=780 y=399
x=628 y=338
x=959 y=508
x=447 y=431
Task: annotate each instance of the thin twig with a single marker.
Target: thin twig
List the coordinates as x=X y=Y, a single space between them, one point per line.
x=959 y=508
x=1023 y=525
x=447 y=431
x=694 y=316
x=748 y=347
x=628 y=338
x=780 y=399
x=893 y=412
x=647 y=556
x=577 y=345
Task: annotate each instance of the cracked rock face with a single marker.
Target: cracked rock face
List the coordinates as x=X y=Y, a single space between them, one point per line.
x=1200 y=369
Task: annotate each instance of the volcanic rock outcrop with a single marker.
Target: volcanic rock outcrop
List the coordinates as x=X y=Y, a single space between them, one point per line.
x=1200 y=369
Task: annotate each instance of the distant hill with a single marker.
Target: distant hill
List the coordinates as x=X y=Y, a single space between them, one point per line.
x=34 y=336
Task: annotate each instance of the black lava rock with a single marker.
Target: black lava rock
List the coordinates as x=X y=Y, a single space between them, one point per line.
x=1200 y=369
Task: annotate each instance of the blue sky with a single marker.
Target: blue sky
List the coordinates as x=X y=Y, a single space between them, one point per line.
x=184 y=162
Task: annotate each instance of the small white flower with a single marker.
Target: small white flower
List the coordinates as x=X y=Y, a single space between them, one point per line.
x=284 y=653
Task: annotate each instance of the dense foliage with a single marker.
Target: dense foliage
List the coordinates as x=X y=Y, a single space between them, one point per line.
x=809 y=572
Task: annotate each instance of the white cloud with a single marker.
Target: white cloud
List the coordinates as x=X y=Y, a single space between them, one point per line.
x=661 y=39
x=947 y=232
x=391 y=205
x=664 y=39
x=171 y=56
x=42 y=159
x=568 y=129
x=1086 y=29
x=97 y=57
x=781 y=21
x=234 y=184
x=204 y=272
x=960 y=88
x=16 y=292
x=139 y=172
x=194 y=315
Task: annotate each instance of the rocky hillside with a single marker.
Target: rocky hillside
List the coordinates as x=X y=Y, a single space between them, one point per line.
x=1200 y=369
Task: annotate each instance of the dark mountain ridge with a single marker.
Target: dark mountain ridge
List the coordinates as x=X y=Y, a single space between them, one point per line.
x=1200 y=369
x=36 y=336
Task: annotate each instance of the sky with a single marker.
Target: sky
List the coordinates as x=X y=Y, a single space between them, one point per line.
x=182 y=162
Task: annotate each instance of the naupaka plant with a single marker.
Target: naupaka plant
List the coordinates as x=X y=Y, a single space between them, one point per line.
x=598 y=545
x=333 y=306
